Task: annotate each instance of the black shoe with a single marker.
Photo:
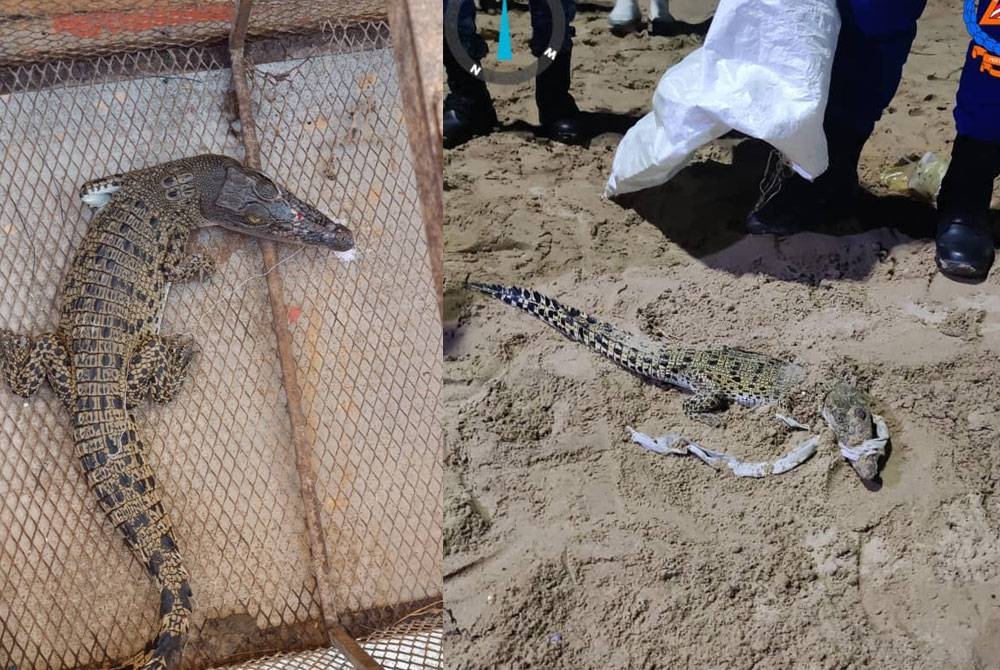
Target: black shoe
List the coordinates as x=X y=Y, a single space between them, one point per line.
x=801 y=205
x=468 y=108
x=567 y=131
x=465 y=118
x=965 y=246
x=557 y=110
x=965 y=242
x=663 y=27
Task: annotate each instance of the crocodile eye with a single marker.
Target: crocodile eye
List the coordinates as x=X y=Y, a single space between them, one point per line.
x=255 y=215
x=266 y=189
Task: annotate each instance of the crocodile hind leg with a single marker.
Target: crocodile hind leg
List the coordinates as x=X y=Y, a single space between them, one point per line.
x=158 y=368
x=26 y=363
x=701 y=405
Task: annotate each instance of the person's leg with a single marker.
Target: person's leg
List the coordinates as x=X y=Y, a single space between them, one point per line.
x=874 y=41
x=660 y=18
x=965 y=243
x=557 y=111
x=468 y=109
x=625 y=17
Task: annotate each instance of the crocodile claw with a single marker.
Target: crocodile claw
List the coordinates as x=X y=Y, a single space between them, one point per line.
x=13 y=348
x=184 y=350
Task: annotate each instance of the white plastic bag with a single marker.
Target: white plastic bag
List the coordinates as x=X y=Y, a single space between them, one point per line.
x=764 y=70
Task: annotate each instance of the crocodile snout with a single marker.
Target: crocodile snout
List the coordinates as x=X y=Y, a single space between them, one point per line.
x=861 y=435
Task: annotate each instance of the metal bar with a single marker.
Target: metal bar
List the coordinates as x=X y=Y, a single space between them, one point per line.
x=416 y=37
x=34 y=32
x=302 y=440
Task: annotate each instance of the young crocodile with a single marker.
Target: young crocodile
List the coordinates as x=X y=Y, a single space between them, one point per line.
x=106 y=355
x=715 y=377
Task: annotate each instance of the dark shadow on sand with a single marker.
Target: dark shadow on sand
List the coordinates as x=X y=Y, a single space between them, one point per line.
x=703 y=209
x=456 y=300
x=593 y=125
x=678 y=28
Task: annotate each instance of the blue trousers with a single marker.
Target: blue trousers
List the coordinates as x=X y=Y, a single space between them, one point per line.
x=541 y=26
x=875 y=39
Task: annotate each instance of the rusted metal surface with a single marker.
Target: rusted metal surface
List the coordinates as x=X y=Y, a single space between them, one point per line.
x=41 y=30
x=416 y=27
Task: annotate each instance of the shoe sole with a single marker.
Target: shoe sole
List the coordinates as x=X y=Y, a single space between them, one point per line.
x=572 y=139
x=627 y=28
x=959 y=270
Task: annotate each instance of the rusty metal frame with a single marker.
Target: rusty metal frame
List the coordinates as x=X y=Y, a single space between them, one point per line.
x=302 y=440
x=416 y=32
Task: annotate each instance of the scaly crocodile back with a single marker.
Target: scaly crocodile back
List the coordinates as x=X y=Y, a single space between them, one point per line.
x=741 y=376
x=111 y=300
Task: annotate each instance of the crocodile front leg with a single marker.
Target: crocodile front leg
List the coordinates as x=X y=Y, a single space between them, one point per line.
x=158 y=368
x=700 y=405
x=189 y=267
x=26 y=363
x=180 y=265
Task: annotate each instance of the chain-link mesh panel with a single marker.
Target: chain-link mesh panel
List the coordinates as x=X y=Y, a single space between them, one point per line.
x=366 y=338
x=383 y=406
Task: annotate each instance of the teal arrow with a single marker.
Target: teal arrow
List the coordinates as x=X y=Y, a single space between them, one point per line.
x=503 y=49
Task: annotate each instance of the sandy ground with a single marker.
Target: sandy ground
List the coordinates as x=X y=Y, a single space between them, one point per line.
x=569 y=547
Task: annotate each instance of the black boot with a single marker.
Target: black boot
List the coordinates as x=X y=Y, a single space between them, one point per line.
x=557 y=111
x=800 y=204
x=964 y=237
x=468 y=109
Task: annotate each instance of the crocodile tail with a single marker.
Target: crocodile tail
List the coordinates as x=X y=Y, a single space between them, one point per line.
x=175 y=611
x=114 y=459
x=625 y=349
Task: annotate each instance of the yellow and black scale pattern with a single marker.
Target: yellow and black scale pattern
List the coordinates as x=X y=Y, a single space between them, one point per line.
x=107 y=356
x=715 y=376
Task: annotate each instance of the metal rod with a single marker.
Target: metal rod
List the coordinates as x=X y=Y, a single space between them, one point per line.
x=418 y=62
x=302 y=439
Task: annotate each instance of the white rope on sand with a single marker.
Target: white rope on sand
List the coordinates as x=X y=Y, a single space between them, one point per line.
x=668 y=444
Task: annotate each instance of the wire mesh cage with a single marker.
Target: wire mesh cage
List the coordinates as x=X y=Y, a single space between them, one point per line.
x=414 y=643
x=292 y=525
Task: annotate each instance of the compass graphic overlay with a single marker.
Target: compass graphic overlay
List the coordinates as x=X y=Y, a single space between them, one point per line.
x=505 y=76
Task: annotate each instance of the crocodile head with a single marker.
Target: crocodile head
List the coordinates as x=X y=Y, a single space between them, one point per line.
x=861 y=435
x=249 y=202
x=215 y=190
